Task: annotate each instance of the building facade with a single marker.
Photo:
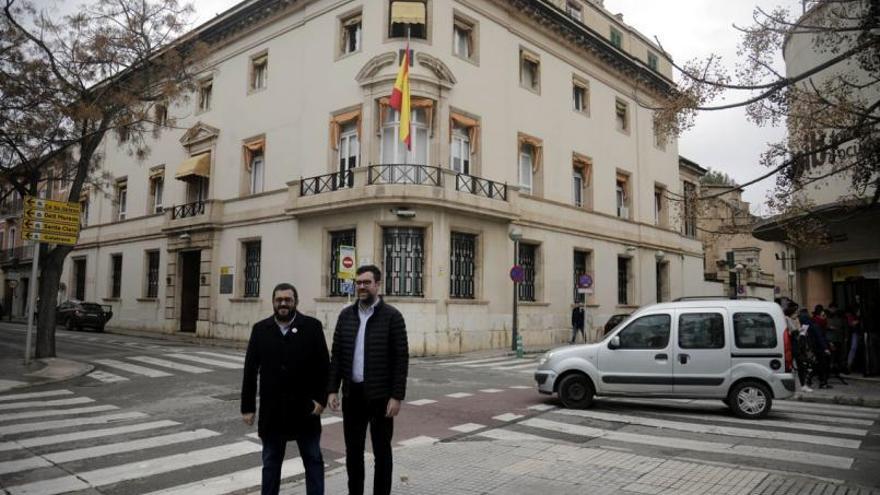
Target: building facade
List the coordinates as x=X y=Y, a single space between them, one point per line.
x=525 y=115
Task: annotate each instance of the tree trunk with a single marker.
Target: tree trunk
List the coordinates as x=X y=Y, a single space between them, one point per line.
x=51 y=266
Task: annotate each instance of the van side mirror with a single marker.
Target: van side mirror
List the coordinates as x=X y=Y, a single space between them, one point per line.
x=614 y=343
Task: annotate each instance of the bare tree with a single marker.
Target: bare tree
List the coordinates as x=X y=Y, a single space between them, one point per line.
x=67 y=83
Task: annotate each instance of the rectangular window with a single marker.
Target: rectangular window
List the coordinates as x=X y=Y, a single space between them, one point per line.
x=526 y=167
x=529 y=71
x=659 y=138
x=404 y=254
x=160 y=112
x=115 y=276
x=463 y=39
x=577 y=186
x=152 y=289
x=653 y=61
x=581 y=266
x=582 y=191
x=690 y=213
x=701 y=331
x=394 y=150
x=206 y=90
x=462 y=265
x=623 y=280
x=351 y=34
x=257 y=167
x=662 y=281
x=647 y=332
x=259 y=72
x=460 y=154
x=621 y=115
x=579 y=97
x=528 y=260
x=754 y=331
x=574 y=10
x=157 y=186
x=79 y=279
x=622 y=197
x=121 y=200
x=616 y=38
x=84 y=211
x=337 y=239
x=659 y=210
x=122 y=133
x=349 y=151
x=408 y=19
x=252 y=253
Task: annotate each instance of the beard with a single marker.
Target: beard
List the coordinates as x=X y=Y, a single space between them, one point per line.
x=284 y=318
x=366 y=298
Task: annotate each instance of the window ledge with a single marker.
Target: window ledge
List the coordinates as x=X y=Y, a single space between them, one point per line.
x=335 y=299
x=147 y=299
x=253 y=91
x=111 y=299
x=408 y=299
x=473 y=61
x=536 y=91
x=467 y=302
x=244 y=299
x=627 y=306
x=534 y=304
x=343 y=56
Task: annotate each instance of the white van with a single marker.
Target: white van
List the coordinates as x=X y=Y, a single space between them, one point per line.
x=735 y=350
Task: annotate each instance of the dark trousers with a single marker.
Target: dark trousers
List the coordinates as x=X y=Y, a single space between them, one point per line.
x=310 y=452
x=574 y=334
x=357 y=414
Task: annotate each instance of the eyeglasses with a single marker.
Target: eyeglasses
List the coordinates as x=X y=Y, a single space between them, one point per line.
x=363 y=282
x=288 y=300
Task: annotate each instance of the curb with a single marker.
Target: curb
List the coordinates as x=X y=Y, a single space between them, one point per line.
x=54 y=372
x=840 y=400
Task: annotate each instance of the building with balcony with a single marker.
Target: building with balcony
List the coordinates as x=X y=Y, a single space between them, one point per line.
x=527 y=115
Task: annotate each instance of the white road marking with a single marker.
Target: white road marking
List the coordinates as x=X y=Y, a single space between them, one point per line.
x=55 y=412
x=201 y=360
x=521 y=387
x=231 y=357
x=501 y=434
x=421 y=402
x=459 y=395
x=129 y=446
x=45 y=403
x=420 y=440
x=135 y=470
x=541 y=407
x=23 y=465
x=491 y=390
x=240 y=480
x=507 y=417
x=106 y=377
x=823 y=419
x=467 y=427
x=169 y=364
x=533 y=364
x=68 y=423
x=500 y=363
x=35 y=395
x=775 y=423
x=82 y=435
x=733 y=431
x=474 y=361
x=132 y=368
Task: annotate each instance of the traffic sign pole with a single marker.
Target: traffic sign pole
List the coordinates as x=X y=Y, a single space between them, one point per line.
x=32 y=289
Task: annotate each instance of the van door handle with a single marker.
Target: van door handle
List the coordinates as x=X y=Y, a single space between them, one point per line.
x=661 y=357
x=683 y=358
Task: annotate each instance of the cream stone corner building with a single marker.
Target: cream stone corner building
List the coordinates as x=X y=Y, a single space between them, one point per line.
x=526 y=115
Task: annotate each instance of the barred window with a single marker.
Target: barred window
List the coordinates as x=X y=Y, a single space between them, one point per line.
x=404 y=261
x=462 y=256
x=116 y=276
x=527 y=261
x=252 y=251
x=581 y=265
x=622 y=281
x=152 y=274
x=337 y=239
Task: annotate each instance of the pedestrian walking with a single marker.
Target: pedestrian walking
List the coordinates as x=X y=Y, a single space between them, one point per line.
x=813 y=341
x=577 y=323
x=288 y=352
x=370 y=358
x=854 y=329
x=798 y=350
x=836 y=336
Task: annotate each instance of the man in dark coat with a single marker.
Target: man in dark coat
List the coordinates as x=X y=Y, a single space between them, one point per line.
x=289 y=353
x=577 y=323
x=370 y=358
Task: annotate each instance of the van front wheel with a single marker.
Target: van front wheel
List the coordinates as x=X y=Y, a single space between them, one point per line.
x=750 y=400
x=576 y=392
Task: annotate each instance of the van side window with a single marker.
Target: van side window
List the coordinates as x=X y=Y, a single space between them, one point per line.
x=647 y=332
x=754 y=331
x=701 y=331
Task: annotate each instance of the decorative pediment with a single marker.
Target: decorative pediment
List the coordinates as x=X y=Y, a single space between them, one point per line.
x=199 y=133
x=374 y=65
x=435 y=65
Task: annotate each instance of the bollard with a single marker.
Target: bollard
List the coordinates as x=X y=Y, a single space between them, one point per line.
x=519 y=346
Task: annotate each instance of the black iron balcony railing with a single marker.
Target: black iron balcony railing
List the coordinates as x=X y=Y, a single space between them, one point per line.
x=326 y=183
x=405 y=174
x=481 y=187
x=188 y=210
x=17 y=253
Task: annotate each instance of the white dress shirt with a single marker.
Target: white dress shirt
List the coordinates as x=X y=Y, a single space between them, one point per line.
x=357 y=365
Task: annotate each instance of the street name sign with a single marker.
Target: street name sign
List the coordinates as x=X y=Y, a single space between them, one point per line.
x=55 y=222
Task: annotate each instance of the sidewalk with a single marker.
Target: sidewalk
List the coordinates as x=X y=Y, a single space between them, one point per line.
x=493 y=467
x=858 y=391
x=39 y=372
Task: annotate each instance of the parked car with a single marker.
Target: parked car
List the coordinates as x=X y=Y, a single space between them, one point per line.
x=614 y=321
x=737 y=351
x=76 y=315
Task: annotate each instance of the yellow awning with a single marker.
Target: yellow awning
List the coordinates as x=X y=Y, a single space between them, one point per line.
x=408 y=12
x=196 y=165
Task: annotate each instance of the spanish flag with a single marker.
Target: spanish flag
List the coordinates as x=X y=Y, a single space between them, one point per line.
x=400 y=99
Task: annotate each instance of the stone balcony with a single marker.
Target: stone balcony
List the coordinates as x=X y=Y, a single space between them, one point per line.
x=198 y=215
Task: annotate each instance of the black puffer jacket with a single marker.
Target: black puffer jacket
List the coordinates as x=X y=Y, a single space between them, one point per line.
x=386 y=352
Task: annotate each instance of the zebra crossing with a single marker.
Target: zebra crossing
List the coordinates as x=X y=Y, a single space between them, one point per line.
x=525 y=366
x=119 y=452
x=125 y=368
x=798 y=434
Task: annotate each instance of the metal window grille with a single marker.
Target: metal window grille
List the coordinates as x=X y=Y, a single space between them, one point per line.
x=690 y=217
x=404 y=261
x=116 y=285
x=622 y=281
x=462 y=257
x=79 y=269
x=252 y=252
x=527 y=261
x=580 y=268
x=153 y=274
x=340 y=238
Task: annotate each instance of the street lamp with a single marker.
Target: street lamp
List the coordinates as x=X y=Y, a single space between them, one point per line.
x=738 y=269
x=515 y=235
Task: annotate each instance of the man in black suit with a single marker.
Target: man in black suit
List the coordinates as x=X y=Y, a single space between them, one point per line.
x=289 y=353
x=370 y=359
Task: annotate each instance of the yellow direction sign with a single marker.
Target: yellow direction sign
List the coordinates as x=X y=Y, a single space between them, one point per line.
x=47 y=237
x=53 y=228
x=51 y=206
x=51 y=217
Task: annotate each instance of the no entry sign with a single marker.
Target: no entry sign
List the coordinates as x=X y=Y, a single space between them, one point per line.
x=346 y=262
